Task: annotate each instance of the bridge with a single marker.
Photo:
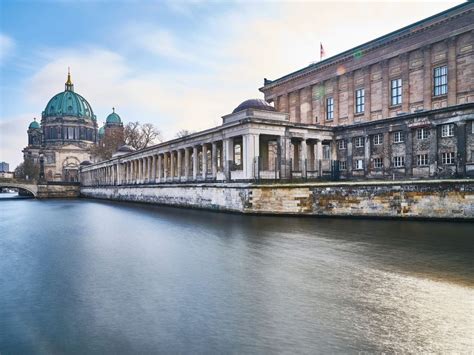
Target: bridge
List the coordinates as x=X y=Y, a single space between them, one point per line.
x=28 y=185
x=44 y=189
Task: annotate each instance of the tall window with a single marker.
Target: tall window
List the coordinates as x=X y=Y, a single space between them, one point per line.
x=341 y=144
x=359 y=142
x=326 y=152
x=422 y=159
x=447 y=158
x=398 y=162
x=343 y=165
x=396 y=91
x=329 y=108
x=378 y=163
x=358 y=164
x=398 y=137
x=360 y=100
x=441 y=80
x=447 y=130
x=422 y=133
x=378 y=139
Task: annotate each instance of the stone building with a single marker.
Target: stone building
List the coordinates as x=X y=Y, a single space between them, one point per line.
x=65 y=136
x=398 y=107
x=112 y=132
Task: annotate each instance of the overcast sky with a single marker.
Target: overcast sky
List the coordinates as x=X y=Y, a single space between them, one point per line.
x=179 y=65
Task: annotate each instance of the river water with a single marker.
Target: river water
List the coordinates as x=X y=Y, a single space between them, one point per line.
x=92 y=277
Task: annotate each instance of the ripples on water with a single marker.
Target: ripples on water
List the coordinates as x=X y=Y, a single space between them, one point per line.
x=96 y=277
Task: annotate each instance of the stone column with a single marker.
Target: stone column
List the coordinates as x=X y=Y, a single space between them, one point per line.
x=165 y=166
x=385 y=90
x=303 y=156
x=367 y=155
x=214 y=160
x=408 y=152
x=284 y=156
x=405 y=72
x=460 y=132
x=228 y=150
x=367 y=95
x=195 y=163
x=178 y=152
x=172 y=165
x=319 y=154
x=204 y=161
x=350 y=97
x=335 y=97
x=452 y=76
x=427 y=79
x=119 y=171
x=153 y=168
x=349 y=157
x=251 y=151
x=186 y=163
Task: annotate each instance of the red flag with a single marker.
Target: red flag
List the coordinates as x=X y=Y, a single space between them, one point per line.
x=321 y=51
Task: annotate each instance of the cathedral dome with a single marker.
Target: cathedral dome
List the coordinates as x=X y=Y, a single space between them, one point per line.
x=113 y=118
x=34 y=125
x=254 y=103
x=69 y=103
x=101 y=132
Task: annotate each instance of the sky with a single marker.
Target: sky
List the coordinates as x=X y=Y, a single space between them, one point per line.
x=176 y=64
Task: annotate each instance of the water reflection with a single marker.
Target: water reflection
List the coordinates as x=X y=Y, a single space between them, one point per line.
x=97 y=277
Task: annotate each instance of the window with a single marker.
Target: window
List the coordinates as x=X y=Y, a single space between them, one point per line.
x=398 y=137
x=329 y=108
x=378 y=139
x=326 y=152
x=422 y=159
x=237 y=154
x=378 y=163
x=396 y=92
x=441 y=80
x=360 y=100
x=447 y=130
x=398 y=162
x=447 y=158
x=342 y=144
x=422 y=133
x=343 y=165
x=358 y=164
x=359 y=142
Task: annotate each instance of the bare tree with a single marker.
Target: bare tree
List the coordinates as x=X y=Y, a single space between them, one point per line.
x=183 y=133
x=109 y=145
x=141 y=136
x=149 y=135
x=28 y=169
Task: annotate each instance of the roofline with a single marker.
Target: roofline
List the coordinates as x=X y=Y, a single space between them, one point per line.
x=327 y=61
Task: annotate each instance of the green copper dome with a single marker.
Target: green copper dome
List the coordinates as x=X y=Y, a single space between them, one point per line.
x=101 y=131
x=34 y=125
x=113 y=118
x=69 y=103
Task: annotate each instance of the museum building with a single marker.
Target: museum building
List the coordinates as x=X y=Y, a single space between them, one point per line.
x=66 y=135
x=398 y=107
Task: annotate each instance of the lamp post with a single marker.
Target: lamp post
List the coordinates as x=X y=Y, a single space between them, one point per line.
x=41 y=173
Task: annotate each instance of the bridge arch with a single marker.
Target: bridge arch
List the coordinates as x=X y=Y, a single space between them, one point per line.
x=30 y=187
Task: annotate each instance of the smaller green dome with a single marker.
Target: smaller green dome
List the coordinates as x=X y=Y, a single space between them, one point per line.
x=113 y=118
x=101 y=131
x=34 y=125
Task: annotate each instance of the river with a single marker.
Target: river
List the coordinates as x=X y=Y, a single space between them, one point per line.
x=95 y=277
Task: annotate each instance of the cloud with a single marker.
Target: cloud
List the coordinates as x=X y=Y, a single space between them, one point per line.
x=7 y=46
x=13 y=138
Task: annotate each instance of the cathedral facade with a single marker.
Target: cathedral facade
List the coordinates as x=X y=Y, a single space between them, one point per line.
x=66 y=135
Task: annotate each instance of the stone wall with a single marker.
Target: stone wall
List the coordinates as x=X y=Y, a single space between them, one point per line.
x=58 y=190
x=451 y=199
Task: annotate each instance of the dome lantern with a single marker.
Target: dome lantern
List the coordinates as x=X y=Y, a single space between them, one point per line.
x=69 y=85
